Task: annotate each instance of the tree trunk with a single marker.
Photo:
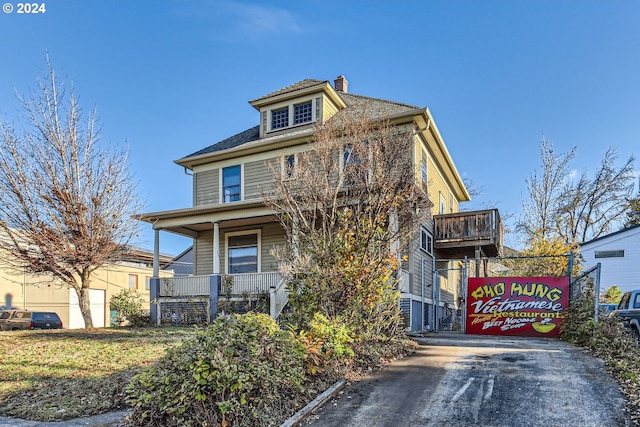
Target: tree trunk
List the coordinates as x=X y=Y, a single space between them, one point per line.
x=85 y=305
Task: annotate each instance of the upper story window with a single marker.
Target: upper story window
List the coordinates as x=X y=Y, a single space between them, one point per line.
x=288 y=166
x=133 y=281
x=426 y=241
x=423 y=167
x=302 y=113
x=280 y=118
x=284 y=116
x=443 y=204
x=231 y=178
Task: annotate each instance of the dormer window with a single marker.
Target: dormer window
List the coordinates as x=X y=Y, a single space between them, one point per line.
x=302 y=113
x=280 y=118
x=291 y=115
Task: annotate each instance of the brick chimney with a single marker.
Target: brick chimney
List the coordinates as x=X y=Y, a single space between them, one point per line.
x=341 y=84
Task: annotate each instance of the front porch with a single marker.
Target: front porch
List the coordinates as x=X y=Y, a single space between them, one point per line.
x=195 y=299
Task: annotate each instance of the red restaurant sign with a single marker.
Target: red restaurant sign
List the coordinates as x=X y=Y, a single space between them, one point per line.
x=524 y=306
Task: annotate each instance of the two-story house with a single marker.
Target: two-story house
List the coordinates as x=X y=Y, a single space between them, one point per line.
x=233 y=231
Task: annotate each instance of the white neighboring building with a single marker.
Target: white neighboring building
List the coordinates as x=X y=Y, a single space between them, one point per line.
x=619 y=256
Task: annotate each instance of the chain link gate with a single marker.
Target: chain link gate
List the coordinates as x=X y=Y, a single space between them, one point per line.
x=450 y=277
x=448 y=313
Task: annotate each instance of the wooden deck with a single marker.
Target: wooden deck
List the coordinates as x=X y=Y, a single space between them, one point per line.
x=459 y=234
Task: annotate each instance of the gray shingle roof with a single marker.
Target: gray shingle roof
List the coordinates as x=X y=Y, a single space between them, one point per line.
x=302 y=84
x=357 y=106
x=233 y=141
x=372 y=108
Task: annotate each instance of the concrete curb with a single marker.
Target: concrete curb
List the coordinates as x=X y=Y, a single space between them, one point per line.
x=108 y=419
x=326 y=395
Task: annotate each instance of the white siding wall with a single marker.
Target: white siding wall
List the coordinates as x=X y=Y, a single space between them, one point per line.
x=623 y=272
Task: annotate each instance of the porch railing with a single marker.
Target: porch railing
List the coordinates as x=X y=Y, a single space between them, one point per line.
x=253 y=283
x=184 y=286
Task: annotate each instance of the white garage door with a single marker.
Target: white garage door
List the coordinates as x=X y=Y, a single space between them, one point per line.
x=96 y=298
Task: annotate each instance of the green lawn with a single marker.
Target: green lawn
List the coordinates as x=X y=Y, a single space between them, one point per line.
x=63 y=374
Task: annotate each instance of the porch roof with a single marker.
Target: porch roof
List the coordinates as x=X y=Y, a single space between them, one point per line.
x=191 y=221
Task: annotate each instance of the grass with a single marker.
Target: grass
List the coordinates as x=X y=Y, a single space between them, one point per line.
x=59 y=375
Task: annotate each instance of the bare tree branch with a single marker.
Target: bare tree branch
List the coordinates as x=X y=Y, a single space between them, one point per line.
x=66 y=202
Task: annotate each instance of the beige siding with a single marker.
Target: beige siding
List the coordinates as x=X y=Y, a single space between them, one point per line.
x=415 y=268
x=272 y=235
x=204 y=253
x=258 y=177
x=328 y=109
x=437 y=186
x=207 y=188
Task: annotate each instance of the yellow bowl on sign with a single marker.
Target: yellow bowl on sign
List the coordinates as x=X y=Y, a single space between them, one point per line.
x=543 y=328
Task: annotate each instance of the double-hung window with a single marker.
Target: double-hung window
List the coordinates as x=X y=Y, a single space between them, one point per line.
x=288 y=166
x=426 y=241
x=242 y=253
x=231 y=178
x=133 y=281
x=423 y=167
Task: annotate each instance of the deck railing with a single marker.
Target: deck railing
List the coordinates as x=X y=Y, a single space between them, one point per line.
x=475 y=225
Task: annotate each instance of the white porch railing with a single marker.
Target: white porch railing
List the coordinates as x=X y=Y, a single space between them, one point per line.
x=184 y=286
x=254 y=283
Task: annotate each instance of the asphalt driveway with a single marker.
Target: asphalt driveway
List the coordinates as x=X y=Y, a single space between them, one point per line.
x=462 y=380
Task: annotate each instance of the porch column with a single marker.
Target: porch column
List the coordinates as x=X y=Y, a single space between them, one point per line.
x=216 y=248
x=156 y=253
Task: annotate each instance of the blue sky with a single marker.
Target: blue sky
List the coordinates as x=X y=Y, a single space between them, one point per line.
x=170 y=77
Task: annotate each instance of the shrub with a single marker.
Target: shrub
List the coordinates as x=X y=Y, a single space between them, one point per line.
x=336 y=335
x=128 y=307
x=239 y=371
x=609 y=340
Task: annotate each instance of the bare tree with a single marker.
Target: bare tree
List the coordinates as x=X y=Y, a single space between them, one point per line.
x=66 y=203
x=575 y=210
x=633 y=210
x=348 y=204
x=589 y=207
x=544 y=190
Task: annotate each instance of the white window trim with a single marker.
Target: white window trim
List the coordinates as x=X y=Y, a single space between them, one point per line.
x=290 y=105
x=426 y=165
x=257 y=231
x=221 y=184
x=443 y=204
x=428 y=250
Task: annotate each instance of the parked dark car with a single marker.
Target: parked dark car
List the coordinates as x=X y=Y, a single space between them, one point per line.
x=23 y=319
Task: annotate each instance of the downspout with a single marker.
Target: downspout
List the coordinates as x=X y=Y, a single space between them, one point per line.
x=434 y=293
x=422 y=291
